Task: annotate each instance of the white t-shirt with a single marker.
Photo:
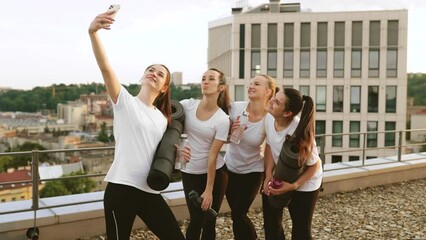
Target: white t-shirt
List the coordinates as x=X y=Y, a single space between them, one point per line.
x=137 y=130
x=275 y=140
x=201 y=135
x=246 y=156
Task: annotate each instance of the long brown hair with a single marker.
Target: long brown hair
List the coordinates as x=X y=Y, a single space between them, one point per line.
x=162 y=101
x=304 y=134
x=223 y=101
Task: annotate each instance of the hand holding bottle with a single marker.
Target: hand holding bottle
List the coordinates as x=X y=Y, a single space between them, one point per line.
x=238 y=128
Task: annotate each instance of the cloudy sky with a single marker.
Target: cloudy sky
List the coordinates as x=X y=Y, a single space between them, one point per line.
x=45 y=42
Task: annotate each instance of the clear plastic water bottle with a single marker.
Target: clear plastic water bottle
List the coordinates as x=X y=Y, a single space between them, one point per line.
x=238 y=132
x=180 y=162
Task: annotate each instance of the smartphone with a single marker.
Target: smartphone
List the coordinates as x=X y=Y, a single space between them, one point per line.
x=114 y=8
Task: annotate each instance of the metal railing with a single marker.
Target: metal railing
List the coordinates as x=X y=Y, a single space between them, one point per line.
x=324 y=151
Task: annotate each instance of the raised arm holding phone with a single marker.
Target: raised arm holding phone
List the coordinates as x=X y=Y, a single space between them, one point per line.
x=139 y=124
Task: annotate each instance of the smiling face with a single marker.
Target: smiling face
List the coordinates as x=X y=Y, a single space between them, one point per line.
x=258 y=88
x=156 y=77
x=276 y=105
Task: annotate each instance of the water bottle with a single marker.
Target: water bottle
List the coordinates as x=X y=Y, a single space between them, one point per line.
x=238 y=132
x=180 y=162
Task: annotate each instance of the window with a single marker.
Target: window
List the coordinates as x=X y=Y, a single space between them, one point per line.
x=305 y=45
x=339 y=63
x=321 y=63
x=305 y=63
x=355 y=98
x=322 y=50
x=255 y=36
x=304 y=90
x=373 y=63
x=390 y=136
x=337 y=128
x=322 y=34
x=288 y=50
x=321 y=97
x=356 y=34
x=288 y=35
x=255 y=53
x=242 y=53
x=353 y=158
x=391 y=62
x=391 y=99
x=356 y=58
x=336 y=159
x=374 y=52
x=392 y=33
x=288 y=63
x=319 y=129
x=242 y=60
x=374 y=38
x=372 y=137
x=354 y=126
x=373 y=99
x=272 y=63
x=239 y=93
x=305 y=35
x=272 y=50
x=338 y=99
x=255 y=62
x=272 y=35
x=339 y=34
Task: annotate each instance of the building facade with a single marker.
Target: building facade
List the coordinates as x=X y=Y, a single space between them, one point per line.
x=353 y=65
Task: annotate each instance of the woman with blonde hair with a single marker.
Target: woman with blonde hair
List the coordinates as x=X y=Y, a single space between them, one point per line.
x=245 y=159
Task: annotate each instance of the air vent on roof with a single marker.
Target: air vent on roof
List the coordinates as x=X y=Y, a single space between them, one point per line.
x=290 y=7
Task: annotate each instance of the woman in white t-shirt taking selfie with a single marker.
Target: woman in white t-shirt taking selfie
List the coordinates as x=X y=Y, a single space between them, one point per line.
x=139 y=124
x=282 y=121
x=245 y=160
x=206 y=126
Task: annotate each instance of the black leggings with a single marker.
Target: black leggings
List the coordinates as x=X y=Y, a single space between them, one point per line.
x=301 y=209
x=121 y=205
x=240 y=194
x=198 y=220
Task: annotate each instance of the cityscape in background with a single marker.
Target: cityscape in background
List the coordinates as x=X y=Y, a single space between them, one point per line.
x=353 y=64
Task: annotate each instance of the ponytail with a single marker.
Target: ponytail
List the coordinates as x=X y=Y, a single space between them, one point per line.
x=304 y=134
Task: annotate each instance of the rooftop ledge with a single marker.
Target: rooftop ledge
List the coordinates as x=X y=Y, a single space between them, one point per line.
x=81 y=221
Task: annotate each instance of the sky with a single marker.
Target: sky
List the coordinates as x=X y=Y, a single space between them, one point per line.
x=45 y=42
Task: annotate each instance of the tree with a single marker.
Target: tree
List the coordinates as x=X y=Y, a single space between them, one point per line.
x=23 y=160
x=68 y=186
x=103 y=134
x=53 y=189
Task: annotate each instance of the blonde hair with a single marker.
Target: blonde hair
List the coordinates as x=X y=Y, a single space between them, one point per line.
x=272 y=84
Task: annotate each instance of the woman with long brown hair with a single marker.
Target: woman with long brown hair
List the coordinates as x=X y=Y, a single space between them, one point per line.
x=283 y=124
x=139 y=124
x=207 y=126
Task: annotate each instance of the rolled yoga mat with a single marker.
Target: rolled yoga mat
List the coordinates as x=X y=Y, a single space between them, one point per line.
x=287 y=170
x=165 y=155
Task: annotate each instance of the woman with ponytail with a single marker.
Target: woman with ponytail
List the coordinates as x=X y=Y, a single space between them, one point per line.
x=207 y=126
x=283 y=124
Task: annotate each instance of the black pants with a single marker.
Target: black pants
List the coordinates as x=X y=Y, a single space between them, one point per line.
x=121 y=205
x=240 y=194
x=198 y=220
x=301 y=209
